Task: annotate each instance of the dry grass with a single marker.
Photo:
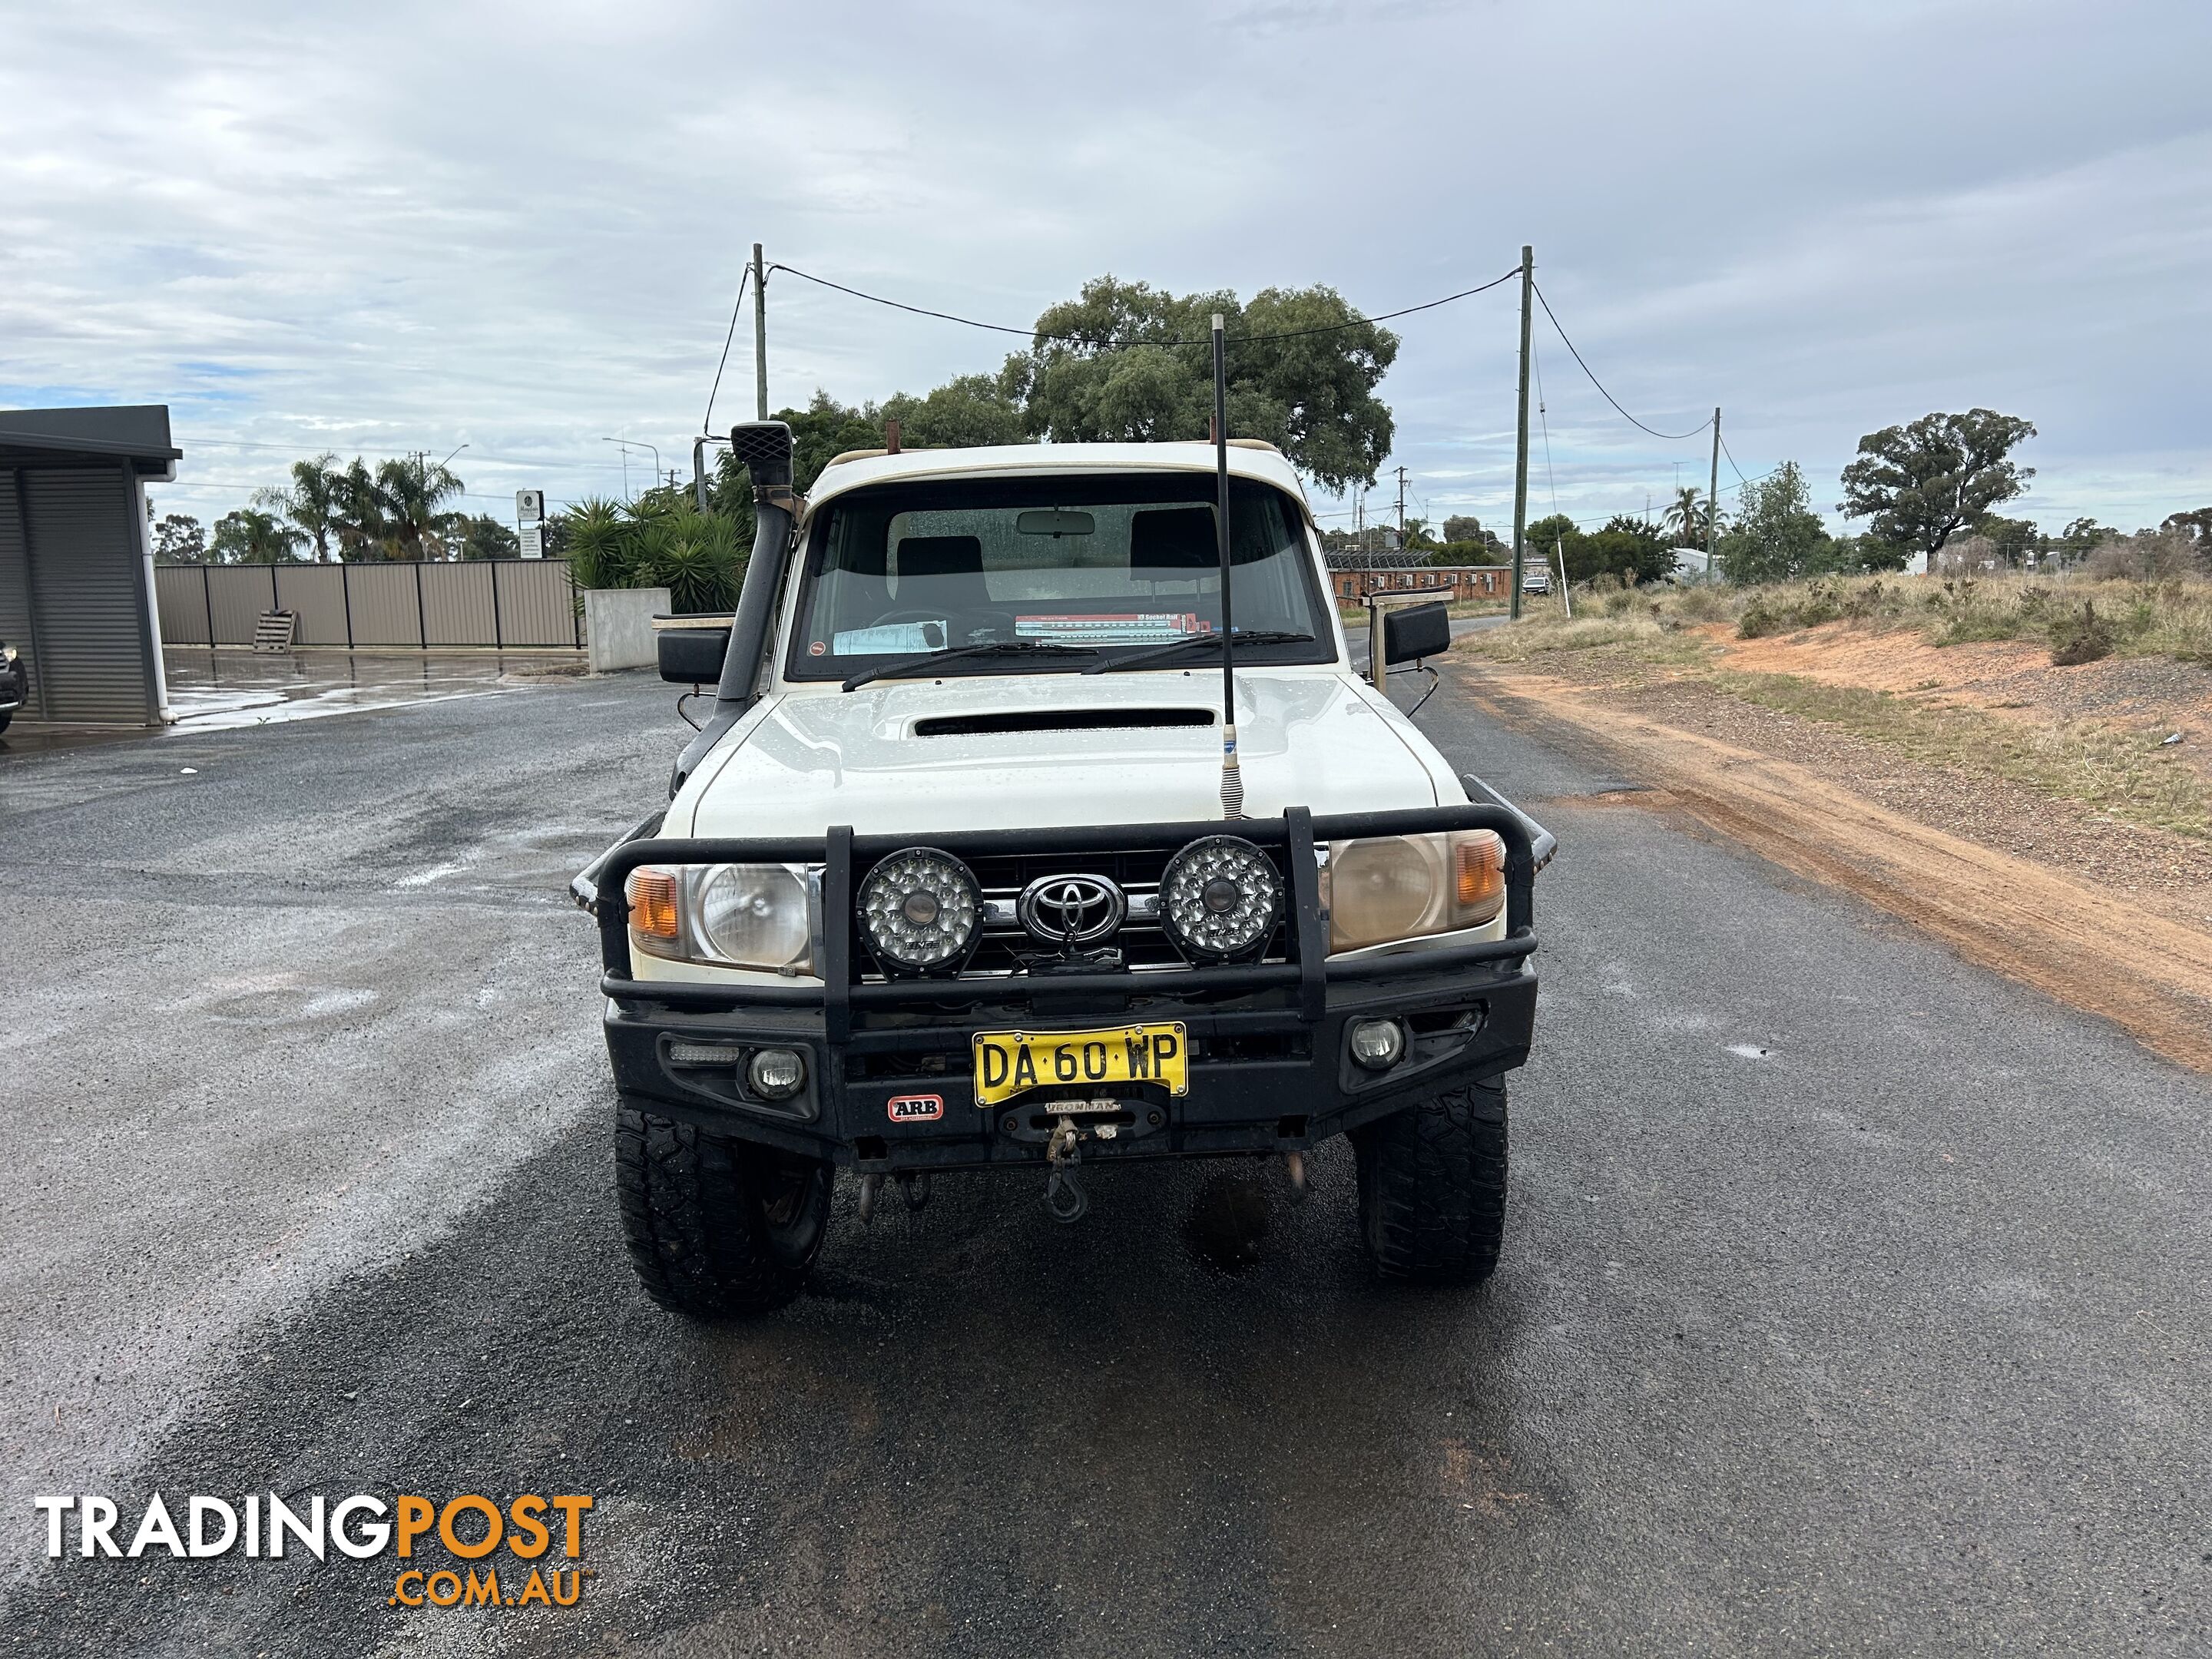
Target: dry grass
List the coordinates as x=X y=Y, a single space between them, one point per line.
x=1537 y=633
x=2170 y=617
x=2126 y=773
x=2108 y=767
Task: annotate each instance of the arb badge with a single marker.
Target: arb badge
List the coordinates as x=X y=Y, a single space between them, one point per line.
x=915 y=1109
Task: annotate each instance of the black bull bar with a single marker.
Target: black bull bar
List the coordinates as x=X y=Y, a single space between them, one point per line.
x=845 y=857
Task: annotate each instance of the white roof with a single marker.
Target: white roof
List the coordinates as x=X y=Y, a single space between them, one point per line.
x=1265 y=465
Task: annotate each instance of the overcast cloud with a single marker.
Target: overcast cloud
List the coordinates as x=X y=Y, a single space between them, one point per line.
x=378 y=230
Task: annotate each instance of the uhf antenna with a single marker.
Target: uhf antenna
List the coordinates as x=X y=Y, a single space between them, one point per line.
x=1233 y=780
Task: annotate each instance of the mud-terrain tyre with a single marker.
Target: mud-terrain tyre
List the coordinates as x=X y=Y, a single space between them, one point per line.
x=1432 y=1187
x=717 y=1228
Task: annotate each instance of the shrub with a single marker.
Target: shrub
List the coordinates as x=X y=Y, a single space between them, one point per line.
x=2080 y=637
x=1623 y=601
x=1762 y=618
x=2149 y=555
x=1701 y=603
x=1770 y=612
x=655 y=543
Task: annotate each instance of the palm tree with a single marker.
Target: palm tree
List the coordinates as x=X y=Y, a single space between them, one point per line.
x=1688 y=517
x=413 y=497
x=314 y=501
x=362 y=528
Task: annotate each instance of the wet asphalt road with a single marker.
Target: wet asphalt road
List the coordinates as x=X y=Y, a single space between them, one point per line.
x=1854 y=1299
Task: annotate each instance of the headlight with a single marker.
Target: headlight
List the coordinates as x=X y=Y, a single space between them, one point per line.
x=732 y=915
x=1219 y=898
x=1400 y=887
x=754 y=913
x=919 y=911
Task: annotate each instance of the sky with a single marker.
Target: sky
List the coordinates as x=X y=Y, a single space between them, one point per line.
x=381 y=229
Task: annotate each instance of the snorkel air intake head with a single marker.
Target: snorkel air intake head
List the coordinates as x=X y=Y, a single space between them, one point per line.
x=763 y=449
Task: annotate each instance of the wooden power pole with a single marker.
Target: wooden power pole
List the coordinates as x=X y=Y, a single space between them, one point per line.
x=1520 y=446
x=760 y=337
x=1713 y=503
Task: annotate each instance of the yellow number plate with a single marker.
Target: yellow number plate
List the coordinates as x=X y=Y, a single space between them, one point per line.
x=1008 y=1063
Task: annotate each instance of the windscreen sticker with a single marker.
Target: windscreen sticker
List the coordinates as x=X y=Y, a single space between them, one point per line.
x=886 y=641
x=1124 y=627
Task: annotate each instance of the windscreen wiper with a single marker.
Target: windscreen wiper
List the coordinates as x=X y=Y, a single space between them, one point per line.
x=892 y=670
x=1256 y=636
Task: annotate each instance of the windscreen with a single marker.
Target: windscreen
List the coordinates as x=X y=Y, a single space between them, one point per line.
x=1105 y=563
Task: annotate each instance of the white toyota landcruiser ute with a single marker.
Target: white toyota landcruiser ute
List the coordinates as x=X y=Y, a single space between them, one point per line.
x=969 y=872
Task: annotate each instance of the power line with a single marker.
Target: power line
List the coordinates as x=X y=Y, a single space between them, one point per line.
x=736 y=305
x=1118 y=344
x=294 y=449
x=1544 y=424
x=1671 y=437
x=1747 y=482
x=1733 y=467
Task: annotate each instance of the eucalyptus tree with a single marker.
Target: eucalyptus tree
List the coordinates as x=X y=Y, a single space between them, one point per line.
x=1921 y=483
x=1125 y=361
x=250 y=536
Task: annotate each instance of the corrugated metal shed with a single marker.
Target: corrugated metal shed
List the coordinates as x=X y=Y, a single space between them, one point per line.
x=76 y=569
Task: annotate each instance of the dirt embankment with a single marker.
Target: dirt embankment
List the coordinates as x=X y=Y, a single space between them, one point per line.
x=2008 y=677
x=2122 y=930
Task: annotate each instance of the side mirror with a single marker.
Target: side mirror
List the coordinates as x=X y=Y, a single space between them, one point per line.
x=1418 y=631
x=693 y=656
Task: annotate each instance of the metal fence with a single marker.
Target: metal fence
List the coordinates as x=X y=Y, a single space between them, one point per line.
x=506 y=603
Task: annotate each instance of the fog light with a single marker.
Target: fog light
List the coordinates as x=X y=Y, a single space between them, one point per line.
x=777 y=1073
x=1378 y=1044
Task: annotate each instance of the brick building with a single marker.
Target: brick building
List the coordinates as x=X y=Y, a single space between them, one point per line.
x=1447 y=582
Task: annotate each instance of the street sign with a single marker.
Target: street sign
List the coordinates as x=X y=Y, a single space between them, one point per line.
x=530 y=505
x=533 y=537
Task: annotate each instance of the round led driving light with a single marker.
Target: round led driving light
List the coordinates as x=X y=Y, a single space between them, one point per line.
x=1219 y=898
x=1377 y=1044
x=777 y=1073
x=919 y=911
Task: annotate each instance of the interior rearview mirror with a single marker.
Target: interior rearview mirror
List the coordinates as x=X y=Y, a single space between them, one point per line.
x=1052 y=521
x=1418 y=631
x=693 y=656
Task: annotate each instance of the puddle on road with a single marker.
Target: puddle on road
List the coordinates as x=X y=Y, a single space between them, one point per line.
x=1229 y=1218
x=223 y=690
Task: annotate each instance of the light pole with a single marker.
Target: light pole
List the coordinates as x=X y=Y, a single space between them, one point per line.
x=422 y=477
x=626 y=444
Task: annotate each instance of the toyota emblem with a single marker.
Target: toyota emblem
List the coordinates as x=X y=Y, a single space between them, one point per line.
x=1071 y=910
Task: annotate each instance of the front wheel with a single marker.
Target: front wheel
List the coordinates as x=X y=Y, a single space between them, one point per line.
x=1432 y=1187
x=717 y=1228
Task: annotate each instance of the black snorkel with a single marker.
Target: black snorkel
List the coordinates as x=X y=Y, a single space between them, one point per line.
x=764 y=448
